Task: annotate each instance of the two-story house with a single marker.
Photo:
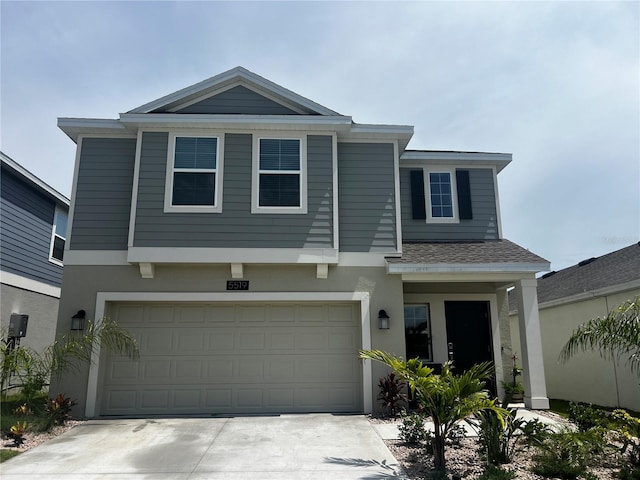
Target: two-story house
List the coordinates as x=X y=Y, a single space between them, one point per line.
x=33 y=231
x=254 y=241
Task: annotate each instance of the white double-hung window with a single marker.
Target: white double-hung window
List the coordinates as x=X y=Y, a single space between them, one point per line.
x=58 y=236
x=442 y=194
x=194 y=174
x=279 y=175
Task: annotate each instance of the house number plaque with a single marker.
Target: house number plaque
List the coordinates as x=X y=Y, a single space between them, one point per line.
x=237 y=284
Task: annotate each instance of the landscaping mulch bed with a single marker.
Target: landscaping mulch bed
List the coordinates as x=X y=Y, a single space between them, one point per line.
x=464 y=459
x=33 y=439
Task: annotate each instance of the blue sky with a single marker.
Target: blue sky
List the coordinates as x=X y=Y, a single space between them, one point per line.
x=557 y=84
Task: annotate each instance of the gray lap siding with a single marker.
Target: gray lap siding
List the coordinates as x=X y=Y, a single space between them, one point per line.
x=367 y=204
x=25 y=231
x=236 y=226
x=103 y=194
x=483 y=225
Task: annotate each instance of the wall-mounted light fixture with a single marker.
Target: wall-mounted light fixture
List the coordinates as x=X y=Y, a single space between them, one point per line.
x=383 y=320
x=77 y=321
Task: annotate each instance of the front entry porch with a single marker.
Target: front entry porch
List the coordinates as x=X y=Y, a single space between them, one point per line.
x=466 y=307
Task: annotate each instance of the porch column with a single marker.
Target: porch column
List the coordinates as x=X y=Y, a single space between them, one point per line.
x=535 y=389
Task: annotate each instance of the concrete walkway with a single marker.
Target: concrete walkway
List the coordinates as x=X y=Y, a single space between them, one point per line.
x=286 y=447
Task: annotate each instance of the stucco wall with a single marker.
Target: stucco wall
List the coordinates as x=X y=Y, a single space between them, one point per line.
x=42 y=311
x=80 y=285
x=586 y=377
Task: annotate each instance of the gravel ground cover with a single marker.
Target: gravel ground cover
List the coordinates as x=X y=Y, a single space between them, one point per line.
x=464 y=459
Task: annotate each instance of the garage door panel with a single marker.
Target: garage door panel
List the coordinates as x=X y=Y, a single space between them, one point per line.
x=221 y=341
x=251 y=341
x=189 y=369
x=219 y=399
x=154 y=370
x=193 y=342
x=252 y=314
x=225 y=358
x=191 y=315
x=219 y=368
x=122 y=400
x=285 y=314
x=187 y=399
x=156 y=341
x=342 y=314
x=221 y=314
x=344 y=340
x=155 y=399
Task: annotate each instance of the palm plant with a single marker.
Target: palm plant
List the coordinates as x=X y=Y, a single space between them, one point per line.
x=446 y=398
x=617 y=335
x=32 y=369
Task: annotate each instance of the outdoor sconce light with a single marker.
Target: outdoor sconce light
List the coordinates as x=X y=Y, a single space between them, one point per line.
x=77 y=321
x=383 y=320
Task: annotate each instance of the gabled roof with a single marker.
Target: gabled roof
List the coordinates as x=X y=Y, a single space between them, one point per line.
x=33 y=180
x=615 y=268
x=478 y=256
x=230 y=79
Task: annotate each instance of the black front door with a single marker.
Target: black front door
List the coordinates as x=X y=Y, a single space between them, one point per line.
x=468 y=333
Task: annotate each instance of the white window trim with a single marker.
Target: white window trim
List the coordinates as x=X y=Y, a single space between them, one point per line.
x=54 y=235
x=255 y=175
x=219 y=172
x=454 y=195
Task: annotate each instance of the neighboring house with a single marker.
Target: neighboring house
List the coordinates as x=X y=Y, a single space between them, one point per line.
x=570 y=297
x=254 y=241
x=33 y=224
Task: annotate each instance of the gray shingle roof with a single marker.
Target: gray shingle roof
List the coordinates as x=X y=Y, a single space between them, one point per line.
x=491 y=251
x=615 y=268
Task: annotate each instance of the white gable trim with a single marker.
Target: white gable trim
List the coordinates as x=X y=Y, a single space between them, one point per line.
x=235 y=74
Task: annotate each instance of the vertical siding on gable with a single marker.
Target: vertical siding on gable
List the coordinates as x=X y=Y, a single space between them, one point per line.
x=236 y=226
x=238 y=100
x=26 y=225
x=103 y=194
x=483 y=226
x=367 y=200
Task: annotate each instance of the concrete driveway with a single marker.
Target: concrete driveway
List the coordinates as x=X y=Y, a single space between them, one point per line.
x=312 y=446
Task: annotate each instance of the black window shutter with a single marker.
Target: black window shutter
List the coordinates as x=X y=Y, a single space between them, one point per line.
x=417 y=195
x=464 y=195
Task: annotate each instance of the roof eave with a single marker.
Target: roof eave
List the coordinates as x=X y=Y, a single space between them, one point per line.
x=74 y=127
x=20 y=170
x=418 y=158
x=525 y=268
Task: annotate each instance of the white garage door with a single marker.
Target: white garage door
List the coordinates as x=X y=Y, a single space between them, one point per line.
x=236 y=358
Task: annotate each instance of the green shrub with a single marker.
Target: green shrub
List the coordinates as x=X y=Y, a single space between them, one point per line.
x=627 y=431
x=568 y=454
x=412 y=430
x=586 y=416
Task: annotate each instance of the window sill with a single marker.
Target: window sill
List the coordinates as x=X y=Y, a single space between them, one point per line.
x=192 y=209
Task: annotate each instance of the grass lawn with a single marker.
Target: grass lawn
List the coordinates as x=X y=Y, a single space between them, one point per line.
x=561 y=407
x=7 y=454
